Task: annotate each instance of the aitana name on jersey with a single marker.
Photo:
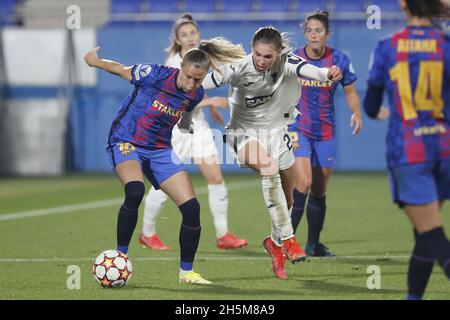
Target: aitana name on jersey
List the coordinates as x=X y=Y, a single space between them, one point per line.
x=417 y=45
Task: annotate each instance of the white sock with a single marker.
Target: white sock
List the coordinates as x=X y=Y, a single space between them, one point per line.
x=275 y=234
x=184 y=272
x=218 y=203
x=154 y=202
x=277 y=206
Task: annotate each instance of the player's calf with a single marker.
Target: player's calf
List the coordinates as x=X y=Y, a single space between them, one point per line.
x=439 y=246
x=128 y=214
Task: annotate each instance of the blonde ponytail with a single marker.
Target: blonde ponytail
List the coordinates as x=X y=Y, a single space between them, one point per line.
x=221 y=51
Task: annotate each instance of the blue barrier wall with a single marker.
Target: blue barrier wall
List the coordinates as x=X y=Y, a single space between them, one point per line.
x=143 y=43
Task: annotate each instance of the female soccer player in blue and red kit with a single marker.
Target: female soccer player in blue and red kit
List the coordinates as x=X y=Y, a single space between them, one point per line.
x=139 y=141
x=313 y=133
x=413 y=66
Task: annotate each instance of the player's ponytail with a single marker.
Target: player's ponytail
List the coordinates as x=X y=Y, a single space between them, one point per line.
x=428 y=8
x=271 y=36
x=221 y=51
x=174 y=47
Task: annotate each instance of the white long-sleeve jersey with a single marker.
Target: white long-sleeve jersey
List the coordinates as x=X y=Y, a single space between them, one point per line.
x=263 y=100
x=174 y=60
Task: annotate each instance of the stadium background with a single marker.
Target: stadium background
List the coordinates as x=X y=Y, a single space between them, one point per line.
x=56 y=111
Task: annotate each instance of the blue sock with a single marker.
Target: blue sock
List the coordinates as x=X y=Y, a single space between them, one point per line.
x=126 y=223
x=190 y=231
x=123 y=249
x=419 y=270
x=439 y=247
x=128 y=213
x=298 y=208
x=316 y=216
x=413 y=297
x=186 y=266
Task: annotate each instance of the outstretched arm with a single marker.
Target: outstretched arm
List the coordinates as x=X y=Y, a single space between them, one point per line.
x=355 y=107
x=300 y=67
x=213 y=103
x=210 y=82
x=224 y=74
x=321 y=74
x=110 y=66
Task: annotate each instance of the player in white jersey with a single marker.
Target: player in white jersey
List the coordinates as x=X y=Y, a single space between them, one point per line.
x=199 y=146
x=264 y=92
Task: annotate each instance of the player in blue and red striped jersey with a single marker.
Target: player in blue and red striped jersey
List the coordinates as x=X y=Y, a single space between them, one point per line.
x=413 y=66
x=313 y=133
x=139 y=141
x=199 y=146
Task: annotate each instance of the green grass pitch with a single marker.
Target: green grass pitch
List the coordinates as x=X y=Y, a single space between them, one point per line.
x=362 y=227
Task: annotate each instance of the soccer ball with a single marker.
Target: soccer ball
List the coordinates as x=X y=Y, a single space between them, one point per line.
x=112 y=268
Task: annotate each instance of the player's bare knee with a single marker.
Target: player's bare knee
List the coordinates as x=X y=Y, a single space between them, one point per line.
x=269 y=168
x=215 y=179
x=304 y=185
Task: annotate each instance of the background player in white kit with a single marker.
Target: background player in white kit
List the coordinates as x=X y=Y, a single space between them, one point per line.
x=264 y=92
x=199 y=146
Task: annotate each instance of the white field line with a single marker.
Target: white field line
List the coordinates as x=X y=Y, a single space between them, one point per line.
x=105 y=203
x=199 y=258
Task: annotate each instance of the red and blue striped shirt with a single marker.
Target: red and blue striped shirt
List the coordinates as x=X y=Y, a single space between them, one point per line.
x=413 y=66
x=316 y=105
x=150 y=112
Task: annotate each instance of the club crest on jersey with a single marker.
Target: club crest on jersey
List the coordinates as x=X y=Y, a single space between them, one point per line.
x=254 y=102
x=184 y=104
x=294 y=139
x=126 y=148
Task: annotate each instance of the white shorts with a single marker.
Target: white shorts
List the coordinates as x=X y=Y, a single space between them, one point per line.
x=276 y=142
x=200 y=144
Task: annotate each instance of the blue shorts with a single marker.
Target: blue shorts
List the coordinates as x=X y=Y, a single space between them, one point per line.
x=157 y=165
x=321 y=152
x=421 y=183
